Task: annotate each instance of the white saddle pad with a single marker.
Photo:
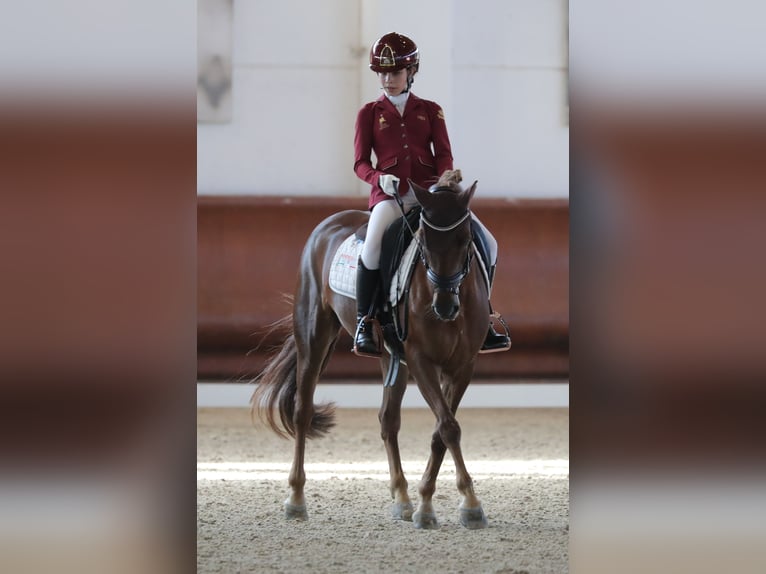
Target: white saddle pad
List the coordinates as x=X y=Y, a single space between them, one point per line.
x=343 y=268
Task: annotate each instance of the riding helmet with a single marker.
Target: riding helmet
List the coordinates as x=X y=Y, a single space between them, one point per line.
x=394 y=52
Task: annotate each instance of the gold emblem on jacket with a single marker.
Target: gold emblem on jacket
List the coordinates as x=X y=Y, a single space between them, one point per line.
x=382 y=122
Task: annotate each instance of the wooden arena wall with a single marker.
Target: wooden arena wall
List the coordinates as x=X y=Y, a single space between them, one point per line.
x=248 y=253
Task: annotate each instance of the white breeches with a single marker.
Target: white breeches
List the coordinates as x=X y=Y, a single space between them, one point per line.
x=385 y=213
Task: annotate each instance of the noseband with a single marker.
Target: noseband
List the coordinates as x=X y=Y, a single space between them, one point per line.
x=453 y=282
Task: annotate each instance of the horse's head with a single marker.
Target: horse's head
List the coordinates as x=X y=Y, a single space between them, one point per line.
x=446 y=240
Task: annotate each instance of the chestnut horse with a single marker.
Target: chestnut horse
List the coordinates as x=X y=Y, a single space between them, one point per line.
x=448 y=320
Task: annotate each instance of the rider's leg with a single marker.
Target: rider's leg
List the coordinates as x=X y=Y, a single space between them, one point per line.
x=368 y=277
x=366 y=285
x=494 y=341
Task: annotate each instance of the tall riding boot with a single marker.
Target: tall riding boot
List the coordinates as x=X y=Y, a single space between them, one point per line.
x=366 y=292
x=494 y=341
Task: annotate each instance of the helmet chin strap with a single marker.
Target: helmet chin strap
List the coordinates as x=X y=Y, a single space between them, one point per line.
x=410 y=79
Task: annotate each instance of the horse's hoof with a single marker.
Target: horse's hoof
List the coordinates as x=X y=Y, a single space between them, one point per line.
x=473 y=518
x=425 y=520
x=402 y=511
x=295 y=511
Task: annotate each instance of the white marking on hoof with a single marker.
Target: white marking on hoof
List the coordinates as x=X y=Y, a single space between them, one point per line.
x=473 y=518
x=402 y=511
x=425 y=520
x=295 y=511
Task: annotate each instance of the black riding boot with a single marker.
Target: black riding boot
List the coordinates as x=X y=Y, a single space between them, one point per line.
x=366 y=291
x=494 y=341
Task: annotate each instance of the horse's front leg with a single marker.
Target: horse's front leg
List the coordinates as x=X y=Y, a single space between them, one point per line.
x=471 y=512
x=427 y=378
x=425 y=517
x=390 y=423
x=447 y=436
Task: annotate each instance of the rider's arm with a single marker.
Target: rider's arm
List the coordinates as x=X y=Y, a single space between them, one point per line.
x=440 y=138
x=363 y=147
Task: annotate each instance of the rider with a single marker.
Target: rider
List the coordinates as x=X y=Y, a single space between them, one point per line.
x=409 y=137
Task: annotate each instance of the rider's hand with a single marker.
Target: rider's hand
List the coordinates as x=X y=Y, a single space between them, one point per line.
x=389 y=184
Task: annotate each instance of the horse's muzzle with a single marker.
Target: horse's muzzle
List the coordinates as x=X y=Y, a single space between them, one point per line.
x=446 y=305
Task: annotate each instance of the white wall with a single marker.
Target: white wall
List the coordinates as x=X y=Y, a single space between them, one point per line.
x=497 y=67
x=510 y=128
x=553 y=393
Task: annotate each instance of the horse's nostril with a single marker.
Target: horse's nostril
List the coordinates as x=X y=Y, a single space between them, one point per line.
x=446 y=313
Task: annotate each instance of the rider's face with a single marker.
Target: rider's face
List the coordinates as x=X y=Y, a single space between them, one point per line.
x=394 y=83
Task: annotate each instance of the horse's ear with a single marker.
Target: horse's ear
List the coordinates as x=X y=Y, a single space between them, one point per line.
x=467 y=195
x=421 y=194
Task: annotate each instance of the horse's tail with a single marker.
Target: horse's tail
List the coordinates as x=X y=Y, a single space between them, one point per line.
x=277 y=385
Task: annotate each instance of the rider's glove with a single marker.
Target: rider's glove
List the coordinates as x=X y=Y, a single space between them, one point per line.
x=389 y=184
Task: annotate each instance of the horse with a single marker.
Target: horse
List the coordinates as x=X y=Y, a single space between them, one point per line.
x=448 y=319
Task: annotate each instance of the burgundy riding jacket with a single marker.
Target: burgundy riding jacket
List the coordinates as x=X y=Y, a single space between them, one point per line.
x=402 y=144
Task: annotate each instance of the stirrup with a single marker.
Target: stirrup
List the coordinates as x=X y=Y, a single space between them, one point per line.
x=507 y=335
x=373 y=350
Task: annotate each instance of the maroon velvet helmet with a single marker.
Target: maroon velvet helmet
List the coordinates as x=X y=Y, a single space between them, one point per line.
x=394 y=52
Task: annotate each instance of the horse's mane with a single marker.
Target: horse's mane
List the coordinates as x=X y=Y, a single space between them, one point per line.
x=451 y=179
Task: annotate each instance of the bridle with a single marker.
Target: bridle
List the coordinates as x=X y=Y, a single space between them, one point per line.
x=452 y=283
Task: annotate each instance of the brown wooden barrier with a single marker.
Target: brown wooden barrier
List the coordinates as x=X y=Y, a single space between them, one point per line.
x=248 y=253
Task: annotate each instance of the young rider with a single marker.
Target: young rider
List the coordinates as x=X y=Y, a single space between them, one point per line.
x=409 y=137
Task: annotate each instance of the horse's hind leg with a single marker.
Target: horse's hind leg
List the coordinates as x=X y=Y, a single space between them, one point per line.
x=315 y=336
x=390 y=423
